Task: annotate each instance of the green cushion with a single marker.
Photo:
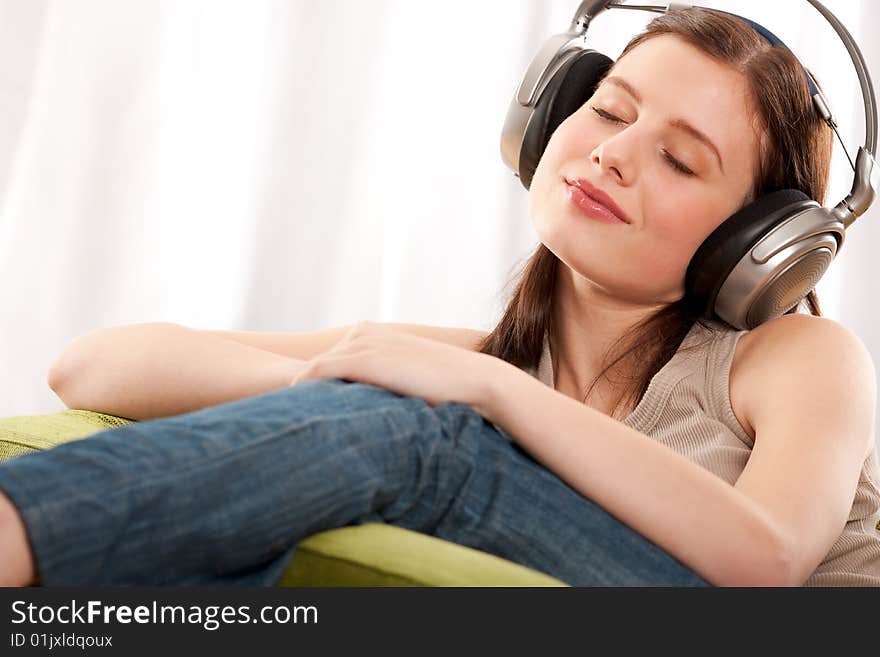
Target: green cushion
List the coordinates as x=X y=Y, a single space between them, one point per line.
x=372 y=554
x=30 y=433
x=375 y=554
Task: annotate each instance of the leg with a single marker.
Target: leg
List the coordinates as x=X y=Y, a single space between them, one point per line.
x=15 y=554
x=514 y=507
x=222 y=495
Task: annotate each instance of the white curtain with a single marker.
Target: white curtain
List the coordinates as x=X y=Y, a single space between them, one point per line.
x=287 y=165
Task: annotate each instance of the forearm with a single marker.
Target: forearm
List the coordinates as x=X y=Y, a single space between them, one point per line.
x=144 y=371
x=698 y=518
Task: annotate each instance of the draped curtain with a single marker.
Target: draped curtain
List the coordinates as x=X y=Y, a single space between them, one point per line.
x=292 y=165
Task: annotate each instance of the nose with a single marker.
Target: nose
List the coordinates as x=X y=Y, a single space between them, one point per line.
x=611 y=158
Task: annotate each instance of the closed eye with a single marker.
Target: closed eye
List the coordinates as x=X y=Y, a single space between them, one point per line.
x=675 y=164
x=678 y=166
x=605 y=115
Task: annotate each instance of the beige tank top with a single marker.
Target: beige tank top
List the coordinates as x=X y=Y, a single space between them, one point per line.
x=687 y=407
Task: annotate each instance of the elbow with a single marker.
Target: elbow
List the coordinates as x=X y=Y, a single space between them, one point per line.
x=61 y=376
x=771 y=563
x=64 y=380
x=88 y=372
x=56 y=377
x=786 y=566
x=62 y=370
x=68 y=370
x=775 y=570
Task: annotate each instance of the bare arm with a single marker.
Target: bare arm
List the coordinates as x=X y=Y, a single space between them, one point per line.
x=790 y=504
x=686 y=510
x=144 y=371
x=306 y=345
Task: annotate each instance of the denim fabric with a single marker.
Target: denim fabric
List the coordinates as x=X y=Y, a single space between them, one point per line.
x=221 y=496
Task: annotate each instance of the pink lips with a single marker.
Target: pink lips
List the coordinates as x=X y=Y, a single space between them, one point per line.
x=593 y=202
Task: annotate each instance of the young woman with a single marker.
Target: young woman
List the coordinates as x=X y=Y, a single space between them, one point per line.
x=601 y=433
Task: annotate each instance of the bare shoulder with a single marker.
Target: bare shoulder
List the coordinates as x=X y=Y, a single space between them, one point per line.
x=818 y=340
x=795 y=352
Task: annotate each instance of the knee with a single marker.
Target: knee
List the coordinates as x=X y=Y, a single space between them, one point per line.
x=342 y=394
x=462 y=420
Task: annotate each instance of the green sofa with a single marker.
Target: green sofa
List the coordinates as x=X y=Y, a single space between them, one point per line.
x=372 y=554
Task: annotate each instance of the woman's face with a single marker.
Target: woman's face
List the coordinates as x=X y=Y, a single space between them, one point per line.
x=668 y=136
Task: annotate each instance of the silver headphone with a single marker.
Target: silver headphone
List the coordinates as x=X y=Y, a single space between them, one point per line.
x=763 y=260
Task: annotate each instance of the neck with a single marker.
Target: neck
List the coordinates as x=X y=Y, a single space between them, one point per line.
x=587 y=322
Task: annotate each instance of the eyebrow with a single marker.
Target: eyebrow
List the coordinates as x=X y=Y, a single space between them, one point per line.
x=679 y=124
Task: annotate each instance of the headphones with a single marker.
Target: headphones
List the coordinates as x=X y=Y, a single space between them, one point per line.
x=763 y=260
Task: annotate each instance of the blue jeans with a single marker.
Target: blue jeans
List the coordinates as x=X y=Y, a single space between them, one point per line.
x=221 y=496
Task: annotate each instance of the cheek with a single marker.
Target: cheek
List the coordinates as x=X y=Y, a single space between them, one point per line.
x=542 y=186
x=569 y=141
x=566 y=145
x=683 y=221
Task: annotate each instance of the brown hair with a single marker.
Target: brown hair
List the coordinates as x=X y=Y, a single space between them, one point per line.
x=795 y=153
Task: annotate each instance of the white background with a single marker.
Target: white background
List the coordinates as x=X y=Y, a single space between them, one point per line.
x=287 y=165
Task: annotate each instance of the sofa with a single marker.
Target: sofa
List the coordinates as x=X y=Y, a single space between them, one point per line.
x=372 y=554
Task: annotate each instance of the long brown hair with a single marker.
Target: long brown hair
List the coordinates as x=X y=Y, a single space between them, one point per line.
x=795 y=153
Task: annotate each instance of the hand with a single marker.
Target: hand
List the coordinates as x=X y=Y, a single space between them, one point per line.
x=405 y=364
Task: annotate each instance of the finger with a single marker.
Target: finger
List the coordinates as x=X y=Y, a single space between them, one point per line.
x=349 y=366
x=358 y=345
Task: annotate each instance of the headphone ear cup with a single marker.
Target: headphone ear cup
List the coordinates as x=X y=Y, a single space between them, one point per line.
x=746 y=306
x=569 y=88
